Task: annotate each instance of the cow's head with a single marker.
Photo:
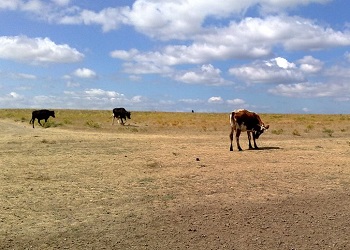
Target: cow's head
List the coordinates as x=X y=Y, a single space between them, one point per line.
x=128 y=114
x=53 y=114
x=259 y=129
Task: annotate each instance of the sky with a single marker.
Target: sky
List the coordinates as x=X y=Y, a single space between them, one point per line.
x=286 y=56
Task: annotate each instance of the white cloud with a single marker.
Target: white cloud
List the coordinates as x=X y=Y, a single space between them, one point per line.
x=277 y=70
x=215 y=99
x=207 y=74
x=11 y=100
x=191 y=101
x=102 y=93
x=71 y=84
x=109 y=18
x=37 y=50
x=236 y=102
x=14 y=95
x=308 y=64
x=84 y=73
x=338 y=72
x=312 y=90
x=61 y=2
x=146 y=68
x=249 y=38
x=124 y=55
x=24 y=76
x=160 y=19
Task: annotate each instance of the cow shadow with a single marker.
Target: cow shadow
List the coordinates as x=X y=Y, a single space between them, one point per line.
x=267 y=148
x=130 y=125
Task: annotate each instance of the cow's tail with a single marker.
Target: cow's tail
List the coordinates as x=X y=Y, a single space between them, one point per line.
x=232 y=122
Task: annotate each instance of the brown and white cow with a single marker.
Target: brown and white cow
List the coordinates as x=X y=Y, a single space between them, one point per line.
x=244 y=120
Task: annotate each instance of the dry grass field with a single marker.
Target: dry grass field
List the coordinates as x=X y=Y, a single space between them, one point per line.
x=169 y=181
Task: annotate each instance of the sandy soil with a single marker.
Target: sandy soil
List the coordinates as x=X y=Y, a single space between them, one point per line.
x=65 y=189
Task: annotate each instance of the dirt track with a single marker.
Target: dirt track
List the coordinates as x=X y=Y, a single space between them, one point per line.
x=64 y=189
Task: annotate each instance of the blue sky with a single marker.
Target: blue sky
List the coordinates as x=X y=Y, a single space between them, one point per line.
x=287 y=56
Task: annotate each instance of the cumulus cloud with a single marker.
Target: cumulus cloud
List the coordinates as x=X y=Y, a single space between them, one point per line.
x=309 y=64
x=85 y=73
x=306 y=90
x=109 y=18
x=102 y=93
x=146 y=68
x=216 y=99
x=207 y=74
x=160 y=19
x=236 y=102
x=251 y=38
x=276 y=70
x=37 y=50
x=11 y=100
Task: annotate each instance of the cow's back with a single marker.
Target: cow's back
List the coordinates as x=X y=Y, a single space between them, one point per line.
x=119 y=110
x=244 y=119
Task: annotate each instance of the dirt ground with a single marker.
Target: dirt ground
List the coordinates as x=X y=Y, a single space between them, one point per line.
x=67 y=189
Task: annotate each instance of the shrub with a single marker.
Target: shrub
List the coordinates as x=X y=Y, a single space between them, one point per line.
x=296 y=132
x=309 y=128
x=92 y=124
x=277 y=131
x=329 y=132
x=52 y=124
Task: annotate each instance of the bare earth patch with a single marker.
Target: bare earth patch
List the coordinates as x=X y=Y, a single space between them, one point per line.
x=69 y=189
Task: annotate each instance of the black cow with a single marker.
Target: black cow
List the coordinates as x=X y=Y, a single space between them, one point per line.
x=120 y=113
x=42 y=114
x=244 y=120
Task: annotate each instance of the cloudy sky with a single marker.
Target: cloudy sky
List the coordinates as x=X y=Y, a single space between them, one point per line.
x=287 y=56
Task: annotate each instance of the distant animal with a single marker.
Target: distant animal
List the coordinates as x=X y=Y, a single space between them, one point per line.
x=42 y=114
x=120 y=113
x=244 y=120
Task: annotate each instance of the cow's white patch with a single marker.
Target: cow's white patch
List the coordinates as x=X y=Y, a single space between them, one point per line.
x=242 y=127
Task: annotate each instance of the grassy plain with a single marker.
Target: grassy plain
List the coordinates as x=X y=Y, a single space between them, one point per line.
x=169 y=181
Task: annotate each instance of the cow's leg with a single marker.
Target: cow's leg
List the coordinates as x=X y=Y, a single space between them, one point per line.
x=238 y=133
x=39 y=122
x=255 y=146
x=121 y=121
x=249 y=138
x=231 y=138
x=32 y=121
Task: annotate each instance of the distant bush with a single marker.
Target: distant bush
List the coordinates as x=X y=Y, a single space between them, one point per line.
x=92 y=124
x=277 y=131
x=66 y=121
x=52 y=124
x=329 y=132
x=309 y=128
x=296 y=132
